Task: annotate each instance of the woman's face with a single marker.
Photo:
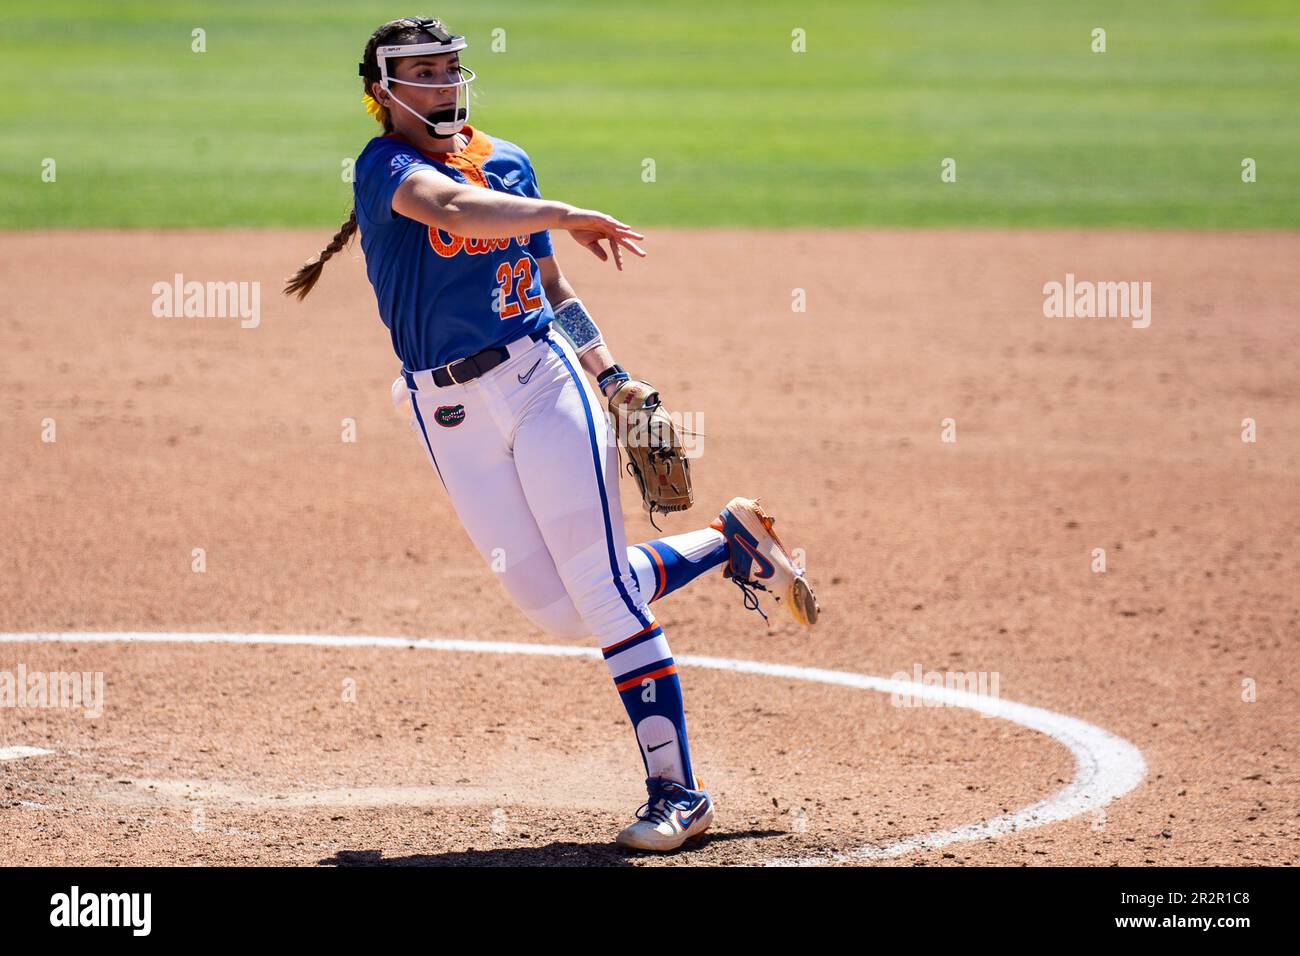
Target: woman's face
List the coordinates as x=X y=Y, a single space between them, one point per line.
x=425 y=68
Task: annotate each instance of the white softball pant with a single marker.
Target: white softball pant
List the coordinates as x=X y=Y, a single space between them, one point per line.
x=529 y=458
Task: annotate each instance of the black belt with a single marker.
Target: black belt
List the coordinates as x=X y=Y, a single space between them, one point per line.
x=458 y=373
x=470 y=368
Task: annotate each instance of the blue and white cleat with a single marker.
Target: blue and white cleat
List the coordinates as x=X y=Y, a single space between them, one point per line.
x=758 y=560
x=671 y=816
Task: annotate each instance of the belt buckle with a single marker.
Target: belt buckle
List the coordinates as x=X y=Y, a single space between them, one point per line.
x=450 y=374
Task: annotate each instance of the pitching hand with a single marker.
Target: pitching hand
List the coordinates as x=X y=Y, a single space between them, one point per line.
x=590 y=228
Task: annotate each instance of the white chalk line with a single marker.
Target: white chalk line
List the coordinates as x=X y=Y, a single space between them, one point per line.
x=1105 y=766
x=17 y=753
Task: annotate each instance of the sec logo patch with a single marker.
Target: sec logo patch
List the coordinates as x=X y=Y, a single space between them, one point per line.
x=449 y=416
x=400 y=161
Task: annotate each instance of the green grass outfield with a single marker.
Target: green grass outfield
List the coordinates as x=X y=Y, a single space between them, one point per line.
x=742 y=130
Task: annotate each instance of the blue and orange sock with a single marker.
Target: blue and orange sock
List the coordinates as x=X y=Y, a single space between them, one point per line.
x=663 y=565
x=646 y=678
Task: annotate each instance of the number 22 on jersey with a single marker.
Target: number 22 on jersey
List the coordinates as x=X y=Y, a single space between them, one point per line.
x=508 y=301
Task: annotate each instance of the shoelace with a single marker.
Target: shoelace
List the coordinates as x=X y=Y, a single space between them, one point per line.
x=656 y=814
x=751 y=598
x=660 y=805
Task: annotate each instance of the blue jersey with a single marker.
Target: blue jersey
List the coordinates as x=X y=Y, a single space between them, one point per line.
x=443 y=296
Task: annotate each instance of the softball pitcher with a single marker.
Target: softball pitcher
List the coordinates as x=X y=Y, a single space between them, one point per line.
x=494 y=343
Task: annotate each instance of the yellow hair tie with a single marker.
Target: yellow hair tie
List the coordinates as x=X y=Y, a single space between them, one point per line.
x=373 y=108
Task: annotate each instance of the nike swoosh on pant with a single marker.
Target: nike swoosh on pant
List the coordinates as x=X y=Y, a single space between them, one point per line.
x=651 y=750
x=523 y=379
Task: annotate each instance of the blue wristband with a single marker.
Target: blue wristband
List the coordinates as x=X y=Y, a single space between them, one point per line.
x=613 y=373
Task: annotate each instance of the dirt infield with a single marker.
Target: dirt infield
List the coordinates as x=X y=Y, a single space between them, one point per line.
x=973 y=555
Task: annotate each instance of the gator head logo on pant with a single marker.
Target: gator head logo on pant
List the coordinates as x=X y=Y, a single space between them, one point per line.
x=449 y=416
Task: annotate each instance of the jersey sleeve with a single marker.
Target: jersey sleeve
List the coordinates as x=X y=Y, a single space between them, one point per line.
x=378 y=174
x=539 y=246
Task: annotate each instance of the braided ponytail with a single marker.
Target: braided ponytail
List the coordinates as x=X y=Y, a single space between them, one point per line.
x=393 y=33
x=306 y=277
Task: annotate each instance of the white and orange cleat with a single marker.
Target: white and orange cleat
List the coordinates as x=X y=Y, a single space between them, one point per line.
x=670 y=816
x=758 y=560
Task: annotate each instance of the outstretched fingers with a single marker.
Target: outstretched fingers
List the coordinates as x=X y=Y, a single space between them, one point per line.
x=627 y=243
x=592 y=229
x=622 y=229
